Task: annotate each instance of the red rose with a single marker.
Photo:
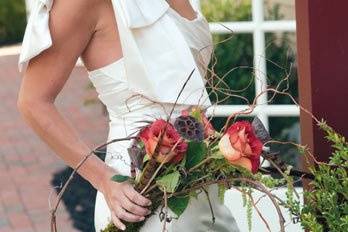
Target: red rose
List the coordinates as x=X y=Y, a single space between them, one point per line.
x=240 y=146
x=172 y=147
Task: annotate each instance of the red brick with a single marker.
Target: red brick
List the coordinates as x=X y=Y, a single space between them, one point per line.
x=19 y=221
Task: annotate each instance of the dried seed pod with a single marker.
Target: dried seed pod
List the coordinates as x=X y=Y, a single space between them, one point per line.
x=189 y=128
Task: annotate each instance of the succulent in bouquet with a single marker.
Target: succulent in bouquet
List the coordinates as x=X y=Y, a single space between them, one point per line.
x=175 y=159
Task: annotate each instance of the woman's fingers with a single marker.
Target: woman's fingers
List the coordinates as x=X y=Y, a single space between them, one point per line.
x=117 y=222
x=129 y=217
x=134 y=208
x=136 y=197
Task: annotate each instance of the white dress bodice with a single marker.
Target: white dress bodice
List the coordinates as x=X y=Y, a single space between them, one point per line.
x=111 y=83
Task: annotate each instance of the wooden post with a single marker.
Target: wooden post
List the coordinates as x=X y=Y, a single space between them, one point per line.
x=322 y=42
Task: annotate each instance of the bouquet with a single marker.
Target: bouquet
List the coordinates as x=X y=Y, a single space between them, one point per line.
x=176 y=159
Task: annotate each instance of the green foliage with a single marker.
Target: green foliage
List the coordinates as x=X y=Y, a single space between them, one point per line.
x=292 y=203
x=196 y=152
x=247 y=202
x=270 y=182
x=226 y=10
x=12 y=21
x=326 y=207
x=309 y=221
x=169 y=182
x=221 y=192
x=120 y=178
x=178 y=204
x=249 y=209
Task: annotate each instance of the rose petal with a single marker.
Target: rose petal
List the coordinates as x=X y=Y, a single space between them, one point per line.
x=227 y=150
x=243 y=162
x=239 y=146
x=255 y=163
x=233 y=138
x=242 y=136
x=165 y=158
x=150 y=145
x=247 y=150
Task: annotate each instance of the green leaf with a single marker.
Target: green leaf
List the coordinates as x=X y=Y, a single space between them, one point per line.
x=169 y=181
x=196 y=152
x=120 y=178
x=178 y=204
x=146 y=158
x=197 y=115
x=217 y=155
x=194 y=194
x=183 y=162
x=221 y=192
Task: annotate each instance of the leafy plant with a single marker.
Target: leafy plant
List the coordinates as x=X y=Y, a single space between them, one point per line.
x=326 y=207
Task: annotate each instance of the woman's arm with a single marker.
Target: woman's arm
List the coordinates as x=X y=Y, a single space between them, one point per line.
x=46 y=76
x=72 y=25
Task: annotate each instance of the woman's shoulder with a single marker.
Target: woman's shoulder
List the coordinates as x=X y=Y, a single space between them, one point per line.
x=54 y=20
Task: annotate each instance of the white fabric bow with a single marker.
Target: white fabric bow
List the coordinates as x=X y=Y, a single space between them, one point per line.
x=37 y=35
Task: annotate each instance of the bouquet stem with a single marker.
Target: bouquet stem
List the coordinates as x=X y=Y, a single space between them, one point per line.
x=147 y=175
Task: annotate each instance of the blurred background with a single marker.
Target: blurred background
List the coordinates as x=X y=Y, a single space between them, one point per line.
x=257 y=50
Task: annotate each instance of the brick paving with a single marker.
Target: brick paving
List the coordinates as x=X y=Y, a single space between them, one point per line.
x=26 y=163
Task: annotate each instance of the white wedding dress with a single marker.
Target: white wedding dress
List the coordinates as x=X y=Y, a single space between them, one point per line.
x=160 y=49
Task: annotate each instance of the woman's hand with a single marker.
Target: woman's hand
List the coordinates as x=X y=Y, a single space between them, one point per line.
x=125 y=202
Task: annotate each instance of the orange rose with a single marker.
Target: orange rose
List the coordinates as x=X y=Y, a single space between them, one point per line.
x=172 y=148
x=241 y=147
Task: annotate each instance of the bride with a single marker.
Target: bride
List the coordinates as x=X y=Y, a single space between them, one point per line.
x=138 y=54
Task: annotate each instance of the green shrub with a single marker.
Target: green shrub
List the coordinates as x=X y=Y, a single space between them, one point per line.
x=326 y=207
x=12 y=21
